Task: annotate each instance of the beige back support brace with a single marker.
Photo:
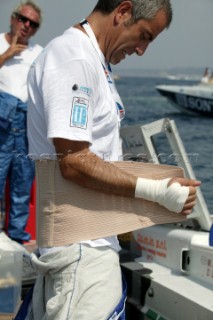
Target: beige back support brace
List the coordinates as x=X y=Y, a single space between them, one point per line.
x=68 y=213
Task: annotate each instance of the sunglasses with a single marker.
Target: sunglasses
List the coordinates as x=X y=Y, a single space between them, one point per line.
x=23 y=19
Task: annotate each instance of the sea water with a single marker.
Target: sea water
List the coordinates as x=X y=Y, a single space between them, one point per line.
x=144 y=104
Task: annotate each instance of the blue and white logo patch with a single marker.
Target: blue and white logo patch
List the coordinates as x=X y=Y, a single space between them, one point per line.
x=79 y=113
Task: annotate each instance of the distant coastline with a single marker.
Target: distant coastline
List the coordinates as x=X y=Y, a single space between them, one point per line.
x=172 y=73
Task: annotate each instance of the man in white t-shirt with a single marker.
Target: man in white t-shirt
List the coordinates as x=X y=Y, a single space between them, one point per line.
x=74 y=116
x=16 y=55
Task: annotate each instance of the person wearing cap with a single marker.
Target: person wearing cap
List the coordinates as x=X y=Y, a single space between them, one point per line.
x=73 y=122
x=16 y=55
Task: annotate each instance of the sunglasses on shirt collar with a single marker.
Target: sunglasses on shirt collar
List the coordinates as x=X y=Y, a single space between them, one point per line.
x=21 y=18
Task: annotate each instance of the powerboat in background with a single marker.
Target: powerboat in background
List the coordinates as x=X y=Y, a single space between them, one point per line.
x=195 y=99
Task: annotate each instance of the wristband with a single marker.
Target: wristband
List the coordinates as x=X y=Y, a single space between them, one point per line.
x=172 y=198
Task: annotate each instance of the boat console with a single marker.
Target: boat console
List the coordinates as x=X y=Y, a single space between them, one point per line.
x=169 y=268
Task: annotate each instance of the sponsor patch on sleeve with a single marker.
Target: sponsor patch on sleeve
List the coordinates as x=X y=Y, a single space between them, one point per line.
x=79 y=113
x=82 y=89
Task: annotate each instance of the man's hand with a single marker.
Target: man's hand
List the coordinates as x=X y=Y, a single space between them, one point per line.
x=14 y=49
x=175 y=194
x=191 y=200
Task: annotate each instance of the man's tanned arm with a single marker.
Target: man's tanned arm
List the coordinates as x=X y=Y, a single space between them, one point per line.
x=79 y=165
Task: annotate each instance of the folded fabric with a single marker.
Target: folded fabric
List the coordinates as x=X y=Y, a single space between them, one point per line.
x=68 y=213
x=8 y=107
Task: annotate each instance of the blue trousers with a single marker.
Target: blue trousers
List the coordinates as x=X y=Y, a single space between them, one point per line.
x=19 y=169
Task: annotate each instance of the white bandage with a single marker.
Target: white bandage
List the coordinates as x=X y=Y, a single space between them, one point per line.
x=173 y=197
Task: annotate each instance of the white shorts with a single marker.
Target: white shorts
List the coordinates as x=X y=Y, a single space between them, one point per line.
x=78 y=282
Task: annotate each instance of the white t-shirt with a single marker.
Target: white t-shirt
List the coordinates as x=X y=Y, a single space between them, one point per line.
x=70 y=98
x=13 y=74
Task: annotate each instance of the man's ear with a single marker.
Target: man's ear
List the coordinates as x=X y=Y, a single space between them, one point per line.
x=123 y=11
x=12 y=18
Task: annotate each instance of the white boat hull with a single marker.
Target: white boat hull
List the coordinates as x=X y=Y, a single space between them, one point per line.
x=197 y=100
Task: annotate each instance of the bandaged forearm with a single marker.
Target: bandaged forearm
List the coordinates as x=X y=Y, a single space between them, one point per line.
x=173 y=197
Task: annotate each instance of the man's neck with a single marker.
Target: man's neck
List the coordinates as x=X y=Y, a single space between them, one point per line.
x=100 y=26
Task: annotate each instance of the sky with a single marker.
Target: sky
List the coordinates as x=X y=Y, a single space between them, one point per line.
x=187 y=43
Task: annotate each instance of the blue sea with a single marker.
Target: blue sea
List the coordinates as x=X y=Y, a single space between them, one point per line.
x=144 y=104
